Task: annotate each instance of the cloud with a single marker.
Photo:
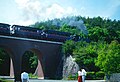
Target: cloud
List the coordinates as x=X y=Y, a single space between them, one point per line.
x=36 y=10
x=57 y=11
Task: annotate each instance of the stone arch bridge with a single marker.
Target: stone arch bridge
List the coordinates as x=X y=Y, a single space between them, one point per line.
x=48 y=53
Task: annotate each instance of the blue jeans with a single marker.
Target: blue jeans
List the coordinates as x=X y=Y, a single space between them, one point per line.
x=24 y=80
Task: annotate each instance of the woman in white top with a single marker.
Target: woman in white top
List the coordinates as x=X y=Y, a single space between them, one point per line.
x=79 y=76
x=83 y=75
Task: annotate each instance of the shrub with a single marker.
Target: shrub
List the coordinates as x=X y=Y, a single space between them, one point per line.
x=32 y=76
x=95 y=75
x=100 y=75
x=72 y=77
x=90 y=75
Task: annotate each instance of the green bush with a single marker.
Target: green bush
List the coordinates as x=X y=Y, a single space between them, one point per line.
x=90 y=75
x=100 y=75
x=72 y=77
x=32 y=76
x=95 y=75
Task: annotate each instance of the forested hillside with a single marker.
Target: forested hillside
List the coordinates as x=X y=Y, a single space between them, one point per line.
x=102 y=53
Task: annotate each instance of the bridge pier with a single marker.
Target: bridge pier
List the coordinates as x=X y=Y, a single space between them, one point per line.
x=11 y=68
x=17 y=60
x=39 y=71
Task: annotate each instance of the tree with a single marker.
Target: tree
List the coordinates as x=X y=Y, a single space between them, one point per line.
x=68 y=47
x=97 y=34
x=29 y=62
x=4 y=62
x=3 y=56
x=85 y=55
x=109 y=58
x=70 y=29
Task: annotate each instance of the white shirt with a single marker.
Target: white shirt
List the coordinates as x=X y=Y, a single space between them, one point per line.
x=84 y=72
x=25 y=75
x=79 y=73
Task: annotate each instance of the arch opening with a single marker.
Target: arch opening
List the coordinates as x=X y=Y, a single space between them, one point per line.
x=31 y=63
x=4 y=62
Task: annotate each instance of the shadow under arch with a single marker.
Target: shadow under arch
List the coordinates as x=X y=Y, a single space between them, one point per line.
x=39 y=68
x=9 y=62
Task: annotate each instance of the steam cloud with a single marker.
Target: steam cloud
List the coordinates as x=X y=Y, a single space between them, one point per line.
x=79 y=24
x=71 y=21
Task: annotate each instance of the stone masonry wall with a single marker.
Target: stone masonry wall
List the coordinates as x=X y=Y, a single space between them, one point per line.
x=115 y=77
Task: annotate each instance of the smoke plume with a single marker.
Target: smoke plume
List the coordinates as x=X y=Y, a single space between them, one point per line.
x=71 y=21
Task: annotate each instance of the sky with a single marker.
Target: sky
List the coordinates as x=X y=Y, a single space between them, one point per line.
x=26 y=12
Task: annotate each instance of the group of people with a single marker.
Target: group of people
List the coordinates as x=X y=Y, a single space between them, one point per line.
x=81 y=75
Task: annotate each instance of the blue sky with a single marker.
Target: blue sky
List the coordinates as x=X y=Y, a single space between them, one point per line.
x=26 y=12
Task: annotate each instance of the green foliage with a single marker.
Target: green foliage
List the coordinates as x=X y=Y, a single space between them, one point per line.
x=68 y=47
x=99 y=75
x=90 y=75
x=33 y=61
x=99 y=29
x=96 y=33
x=2 y=56
x=71 y=77
x=85 y=55
x=32 y=76
x=95 y=75
x=4 y=62
x=71 y=29
x=3 y=80
x=29 y=62
x=108 y=58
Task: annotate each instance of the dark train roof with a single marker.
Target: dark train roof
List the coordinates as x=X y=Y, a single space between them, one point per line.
x=57 y=32
x=4 y=24
x=22 y=26
x=46 y=31
x=26 y=27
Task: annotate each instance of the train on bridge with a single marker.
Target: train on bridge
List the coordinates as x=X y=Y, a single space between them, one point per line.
x=35 y=33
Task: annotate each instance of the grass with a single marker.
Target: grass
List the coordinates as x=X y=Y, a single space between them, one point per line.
x=32 y=76
x=4 y=80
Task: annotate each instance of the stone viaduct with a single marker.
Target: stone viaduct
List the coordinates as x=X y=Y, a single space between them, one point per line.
x=48 y=53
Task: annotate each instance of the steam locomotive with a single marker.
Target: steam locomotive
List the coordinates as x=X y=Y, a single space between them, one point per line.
x=35 y=33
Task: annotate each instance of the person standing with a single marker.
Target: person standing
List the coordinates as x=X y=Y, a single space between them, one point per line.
x=83 y=75
x=79 y=76
x=25 y=77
